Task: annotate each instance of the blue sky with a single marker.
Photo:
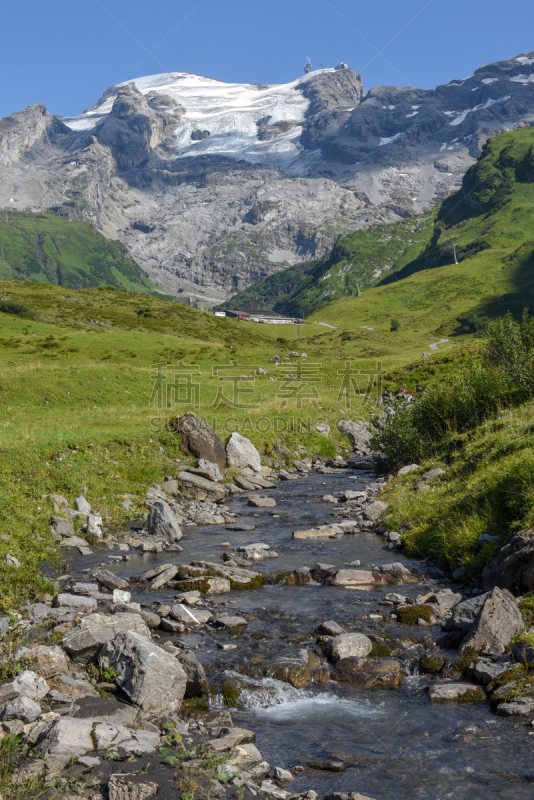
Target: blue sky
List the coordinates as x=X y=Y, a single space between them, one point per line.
x=65 y=54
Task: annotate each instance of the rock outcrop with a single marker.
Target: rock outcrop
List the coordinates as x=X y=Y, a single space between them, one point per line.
x=496 y=623
x=513 y=566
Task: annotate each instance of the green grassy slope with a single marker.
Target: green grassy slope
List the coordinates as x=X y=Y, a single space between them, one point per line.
x=46 y=248
x=491 y=220
x=363 y=257
x=77 y=373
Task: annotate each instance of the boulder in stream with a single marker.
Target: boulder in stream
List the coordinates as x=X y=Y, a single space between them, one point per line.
x=369 y=673
x=356 y=577
x=348 y=645
x=456 y=693
x=161 y=522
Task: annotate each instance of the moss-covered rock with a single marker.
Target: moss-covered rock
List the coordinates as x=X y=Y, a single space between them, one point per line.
x=298 y=675
x=200 y=703
x=256 y=582
x=456 y=693
x=192 y=585
x=410 y=615
x=230 y=695
x=379 y=650
x=516 y=682
x=431 y=665
x=467 y=660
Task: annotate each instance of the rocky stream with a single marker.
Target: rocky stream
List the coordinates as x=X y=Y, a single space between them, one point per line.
x=300 y=626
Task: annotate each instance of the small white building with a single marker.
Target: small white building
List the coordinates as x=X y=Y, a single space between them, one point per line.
x=258 y=315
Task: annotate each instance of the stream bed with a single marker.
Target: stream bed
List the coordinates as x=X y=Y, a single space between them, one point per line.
x=394 y=743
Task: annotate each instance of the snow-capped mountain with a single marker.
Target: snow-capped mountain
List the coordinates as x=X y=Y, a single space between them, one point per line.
x=213 y=186
x=226 y=119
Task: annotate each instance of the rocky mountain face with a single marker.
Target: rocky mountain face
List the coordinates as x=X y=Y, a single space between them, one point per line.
x=214 y=186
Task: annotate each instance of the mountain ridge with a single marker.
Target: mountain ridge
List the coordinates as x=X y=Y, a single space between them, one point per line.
x=213 y=187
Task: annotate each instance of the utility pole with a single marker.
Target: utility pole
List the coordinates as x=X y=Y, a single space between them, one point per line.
x=358 y=287
x=454 y=249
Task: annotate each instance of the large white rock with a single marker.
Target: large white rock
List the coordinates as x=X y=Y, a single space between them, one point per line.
x=241 y=454
x=152 y=679
x=23 y=708
x=82 y=505
x=455 y=692
x=69 y=737
x=188 y=616
x=83 y=643
x=75 y=602
x=27 y=684
x=162 y=522
x=348 y=645
x=373 y=511
x=358 y=434
x=95 y=525
x=209 y=467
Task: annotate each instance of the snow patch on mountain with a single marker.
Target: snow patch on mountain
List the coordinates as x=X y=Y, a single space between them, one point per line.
x=482 y=106
x=389 y=139
x=227 y=116
x=523 y=78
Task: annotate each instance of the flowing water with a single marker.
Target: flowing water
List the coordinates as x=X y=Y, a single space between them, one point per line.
x=394 y=743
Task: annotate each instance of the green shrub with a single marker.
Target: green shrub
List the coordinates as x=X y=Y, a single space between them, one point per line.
x=17 y=309
x=400 y=440
x=504 y=378
x=510 y=348
x=395 y=325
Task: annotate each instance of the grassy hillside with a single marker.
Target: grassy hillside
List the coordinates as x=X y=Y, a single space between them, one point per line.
x=474 y=422
x=78 y=370
x=46 y=248
x=491 y=220
x=363 y=257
